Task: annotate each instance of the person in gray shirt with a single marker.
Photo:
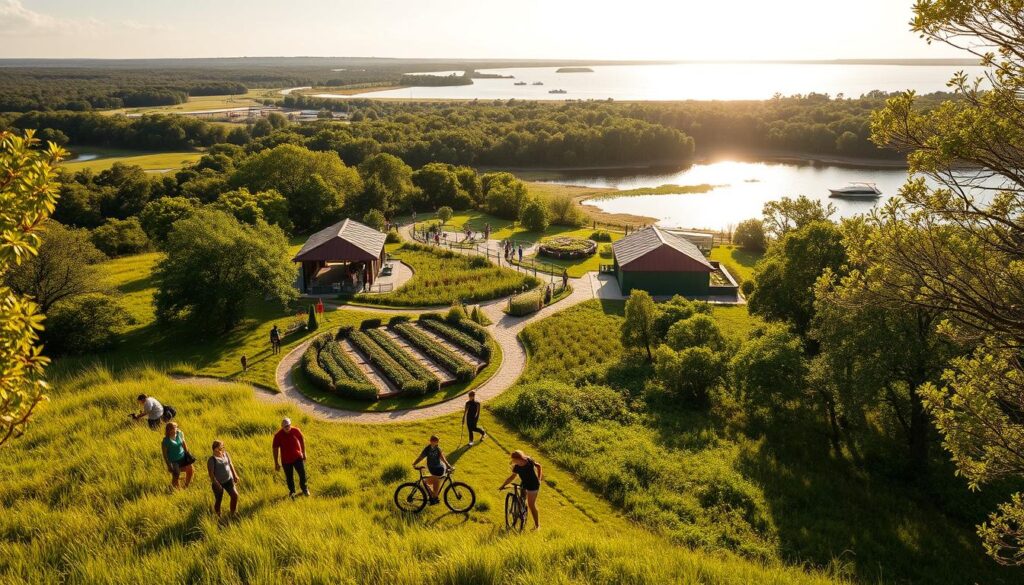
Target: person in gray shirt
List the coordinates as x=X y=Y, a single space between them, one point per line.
x=223 y=477
x=152 y=410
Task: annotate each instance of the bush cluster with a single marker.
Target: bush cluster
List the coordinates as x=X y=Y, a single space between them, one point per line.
x=601 y=236
x=567 y=248
x=329 y=369
x=465 y=334
x=394 y=371
x=410 y=364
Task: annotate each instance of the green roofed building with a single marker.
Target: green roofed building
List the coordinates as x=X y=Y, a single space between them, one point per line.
x=661 y=263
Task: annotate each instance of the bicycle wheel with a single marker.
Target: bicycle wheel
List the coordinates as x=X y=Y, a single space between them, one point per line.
x=459 y=497
x=410 y=497
x=515 y=518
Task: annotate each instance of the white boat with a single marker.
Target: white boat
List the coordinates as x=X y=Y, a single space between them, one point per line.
x=857 y=191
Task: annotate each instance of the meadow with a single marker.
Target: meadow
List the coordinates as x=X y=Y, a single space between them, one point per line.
x=149 y=161
x=717 y=480
x=442 y=277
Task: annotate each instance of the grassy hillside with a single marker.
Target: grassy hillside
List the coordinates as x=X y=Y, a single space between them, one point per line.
x=716 y=480
x=149 y=161
x=86 y=500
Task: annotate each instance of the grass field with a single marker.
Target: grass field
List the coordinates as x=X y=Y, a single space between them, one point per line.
x=712 y=480
x=150 y=161
x=84 y=469
x=441 y=277
x=739 y=262
x=205 y=102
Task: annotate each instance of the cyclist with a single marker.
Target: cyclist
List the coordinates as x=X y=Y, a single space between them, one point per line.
x=530 y=474
x=437 y=464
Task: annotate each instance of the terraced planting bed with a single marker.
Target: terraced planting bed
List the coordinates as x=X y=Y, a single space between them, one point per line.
x=404 y=359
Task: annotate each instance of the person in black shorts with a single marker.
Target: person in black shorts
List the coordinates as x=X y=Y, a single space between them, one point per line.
x=437 y=464
x=530 y=474
x=471 y=416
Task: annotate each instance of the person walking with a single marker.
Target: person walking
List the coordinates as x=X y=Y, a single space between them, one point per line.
x=530 y=475
x=565 y=278
x=275 y=340
x=471 y=416
x=223 y=477
x=176 y=455
x=245 y=363
x=153 y=411
x=437 y=464
x=290 y=445
x=520 y=253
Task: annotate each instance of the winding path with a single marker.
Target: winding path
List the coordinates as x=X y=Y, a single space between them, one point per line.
x=504 y=329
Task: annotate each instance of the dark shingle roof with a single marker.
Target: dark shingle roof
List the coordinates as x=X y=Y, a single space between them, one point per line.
x=361 y=236
x=640 y=243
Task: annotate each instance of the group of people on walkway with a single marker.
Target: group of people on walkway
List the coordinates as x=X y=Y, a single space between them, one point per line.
x=511 y=250
x=288 y=446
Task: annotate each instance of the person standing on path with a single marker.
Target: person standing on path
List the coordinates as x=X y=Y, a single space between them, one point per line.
x=176 y=455
x=565 y=278
x=520 y=253
x=471 y=416
x=291 y=446
x=275 y=340
x=245 y=363
x=223 y=477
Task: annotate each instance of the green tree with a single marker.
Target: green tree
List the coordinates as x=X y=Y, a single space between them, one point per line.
x=28 y=195
x=750 y=235
x=504 y=195
x=84 y=323
x=444 y=214
x=676 y=309
x=375 y=219
x=784 y=279
x=64 y=267
x=159 y=215
x=118 y=237
x=315 y=184
x=311 y=321
x=535 y=216
x=251 y=208
x=215 y=265
x=440 y=186
x=943 y=247
x=690 y=374
x=387 y=185
x=638 y=327
x=695 y=331
x=769 y=368
x=785 y=215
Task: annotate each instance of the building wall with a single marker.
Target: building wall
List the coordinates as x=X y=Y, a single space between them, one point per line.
x=665 y=283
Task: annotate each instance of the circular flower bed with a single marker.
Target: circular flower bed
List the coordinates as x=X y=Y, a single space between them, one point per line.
x=565 y=248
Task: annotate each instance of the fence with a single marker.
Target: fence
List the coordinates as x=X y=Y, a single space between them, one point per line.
x=337 y=288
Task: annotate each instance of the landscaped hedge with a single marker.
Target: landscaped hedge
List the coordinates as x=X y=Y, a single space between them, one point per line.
x=464 y=324
x=349 y=380
x=448 y=359
x=399 y=319
x=526 y=303
x=457 y=336
x=316 y=374
x=601 y=236
x=370 y=324
x=566 y=248
x=405 y=360
x=398 y=375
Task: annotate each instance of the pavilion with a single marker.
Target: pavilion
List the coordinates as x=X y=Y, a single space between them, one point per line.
x=346 y=256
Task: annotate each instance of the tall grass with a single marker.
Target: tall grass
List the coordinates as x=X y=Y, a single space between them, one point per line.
x=85 y=501
x=441 y=277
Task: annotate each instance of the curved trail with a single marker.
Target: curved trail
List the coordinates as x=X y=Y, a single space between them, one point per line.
x=504 y=329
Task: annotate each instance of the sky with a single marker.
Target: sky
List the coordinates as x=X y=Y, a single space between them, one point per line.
x=516 y=29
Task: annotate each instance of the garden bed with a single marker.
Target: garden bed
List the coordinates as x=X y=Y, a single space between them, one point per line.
x=566 y=248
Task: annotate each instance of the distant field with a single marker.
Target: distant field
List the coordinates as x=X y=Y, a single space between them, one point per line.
x=206 y=102
x=150 y=161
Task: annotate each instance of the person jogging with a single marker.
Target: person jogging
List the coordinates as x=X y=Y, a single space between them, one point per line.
x=530 y=475
x=290 y=445
x=471 y=416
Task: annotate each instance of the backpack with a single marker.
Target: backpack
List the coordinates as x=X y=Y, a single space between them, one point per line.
x=169 y=413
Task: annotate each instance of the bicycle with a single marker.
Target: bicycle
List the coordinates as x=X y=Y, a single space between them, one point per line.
x=413 y=496
x=515 y=508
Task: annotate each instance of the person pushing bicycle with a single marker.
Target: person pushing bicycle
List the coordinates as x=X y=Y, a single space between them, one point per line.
x=530 y=475
x=437 y=465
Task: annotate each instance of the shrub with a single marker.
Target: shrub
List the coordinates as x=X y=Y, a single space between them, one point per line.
x=118 y=237
x=375 y=219
x=456 y=313
x=691 y=374
x=370 y=324
x=563 y=211
x=750 y=235
x=676 y=309
x=331 y=370
x=770 y=366
x=398 y=319
x=398 y=375
x=605 y=251
x=535 y=216
x=556 y=404
x=393 y=237
x=601 y=236
x=526 y=303
x=696 y=331
x=84 y=323
x=343 y=332
x=411 y=365
x=446 y=358
x=316 y=374
x=312 y=324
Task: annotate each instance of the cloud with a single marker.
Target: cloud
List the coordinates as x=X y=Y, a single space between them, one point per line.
x=16 y=19
x=136 y=26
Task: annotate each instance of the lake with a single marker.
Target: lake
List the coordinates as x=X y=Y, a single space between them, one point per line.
x=690 y=81
x=742 y=188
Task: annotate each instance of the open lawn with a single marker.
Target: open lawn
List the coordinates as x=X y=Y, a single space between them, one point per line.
x=740 y=263
x=205 y=102
x=149 y=161
x=715 y=480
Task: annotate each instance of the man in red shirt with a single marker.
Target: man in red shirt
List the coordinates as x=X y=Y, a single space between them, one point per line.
x=292 y=448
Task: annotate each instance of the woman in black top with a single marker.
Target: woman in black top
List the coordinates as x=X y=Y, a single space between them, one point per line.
x=471 y=416
x=530 y=475
x=437 y=464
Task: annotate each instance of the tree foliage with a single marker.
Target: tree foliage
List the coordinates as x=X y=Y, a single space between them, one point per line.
x=64 y=267
x=638 y=328
x=28 y=195
x=216 y=264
